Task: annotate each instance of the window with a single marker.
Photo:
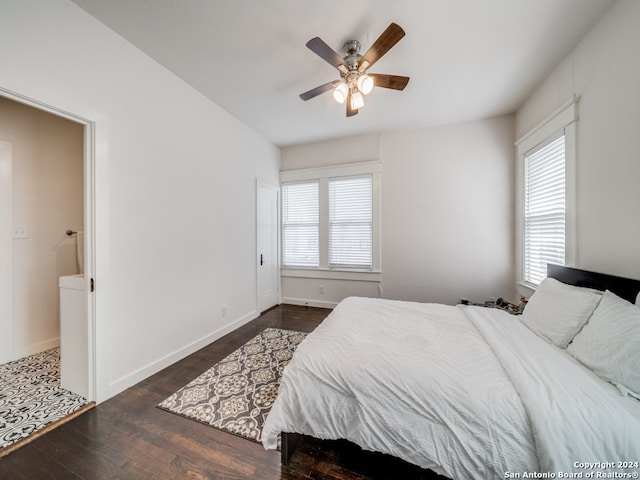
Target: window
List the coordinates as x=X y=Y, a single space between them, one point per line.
x=300 y=219
x=544 y=209
x=330 y=222
x=350 y=222
x=546 y=203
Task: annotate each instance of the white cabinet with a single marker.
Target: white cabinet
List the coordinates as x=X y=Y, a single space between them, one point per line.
x=74 y=340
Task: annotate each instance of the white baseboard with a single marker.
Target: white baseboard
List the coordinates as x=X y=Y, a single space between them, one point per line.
x=25 y=351
x=140 y=374
x=309 y=303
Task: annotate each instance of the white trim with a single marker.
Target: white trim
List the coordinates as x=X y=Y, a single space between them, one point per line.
x=6 y=252
x=142 y=373
x=58 y=112
x=564 y=118
x=526 y=285
x=331 y=171
x=361 y=276
x=27 y=350
x=89 y=254
x=308 y=303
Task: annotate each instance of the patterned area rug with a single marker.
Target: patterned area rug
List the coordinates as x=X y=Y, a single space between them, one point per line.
x=236 y=394
x=31 y=397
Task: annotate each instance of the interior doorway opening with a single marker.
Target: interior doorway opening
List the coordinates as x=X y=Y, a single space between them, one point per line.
x=25 y=225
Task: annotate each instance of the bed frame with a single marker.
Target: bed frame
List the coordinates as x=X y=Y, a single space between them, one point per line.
x=626 y=288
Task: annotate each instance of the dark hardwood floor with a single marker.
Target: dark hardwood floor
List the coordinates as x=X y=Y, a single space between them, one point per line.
x=127 y=437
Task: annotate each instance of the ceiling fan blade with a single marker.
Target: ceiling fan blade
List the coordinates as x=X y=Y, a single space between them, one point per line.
x=382 y=45
x=350 y=111
x=396 y=82
x=324 y=51
x=314 y=92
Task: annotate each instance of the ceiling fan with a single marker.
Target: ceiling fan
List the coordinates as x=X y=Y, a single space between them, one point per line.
x=354 y=80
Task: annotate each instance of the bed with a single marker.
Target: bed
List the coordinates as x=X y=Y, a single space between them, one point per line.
x=474 y=392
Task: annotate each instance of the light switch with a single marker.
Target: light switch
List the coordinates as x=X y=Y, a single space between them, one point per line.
x=20 y=231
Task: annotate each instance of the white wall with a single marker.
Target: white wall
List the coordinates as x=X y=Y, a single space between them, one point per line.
x=174 y=194
x=47 y=186
x=447 y=211
x=604 y=70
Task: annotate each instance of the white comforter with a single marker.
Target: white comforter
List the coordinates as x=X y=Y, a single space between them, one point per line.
x=467 y=392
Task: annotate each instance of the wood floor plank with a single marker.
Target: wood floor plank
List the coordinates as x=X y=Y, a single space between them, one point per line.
x=129 y=438
x=81 y=459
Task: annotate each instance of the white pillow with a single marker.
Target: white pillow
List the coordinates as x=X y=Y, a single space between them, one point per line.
x=610 y=343
x=638 y=299
x=557 y=311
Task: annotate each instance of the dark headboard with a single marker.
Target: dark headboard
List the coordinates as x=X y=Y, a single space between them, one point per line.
x=626 y=288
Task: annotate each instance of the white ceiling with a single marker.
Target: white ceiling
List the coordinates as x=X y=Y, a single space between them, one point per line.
x=467 y=59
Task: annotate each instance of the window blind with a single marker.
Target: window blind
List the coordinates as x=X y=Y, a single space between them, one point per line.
x=300 y=218
x=350 y=222
x=544 y=209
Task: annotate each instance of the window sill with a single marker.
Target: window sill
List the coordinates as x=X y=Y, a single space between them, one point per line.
x=357 y=275
x=529 y=289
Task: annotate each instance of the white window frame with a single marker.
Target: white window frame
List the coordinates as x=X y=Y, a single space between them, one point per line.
x=562 y=120
x=322 y=174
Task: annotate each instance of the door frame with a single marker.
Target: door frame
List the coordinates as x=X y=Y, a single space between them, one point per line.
x=89 y=219
x=6 y=251
x=276 y=188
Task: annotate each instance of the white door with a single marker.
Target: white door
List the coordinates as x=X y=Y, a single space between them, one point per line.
x=268 y=272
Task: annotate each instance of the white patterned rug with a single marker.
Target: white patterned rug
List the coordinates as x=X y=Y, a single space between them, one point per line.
x=236 y=394
x=31 y=397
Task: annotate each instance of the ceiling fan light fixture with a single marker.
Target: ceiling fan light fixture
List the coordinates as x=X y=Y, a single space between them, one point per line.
x=365 y=84
x=340 y=92
x=354 y=81
x=356 y=100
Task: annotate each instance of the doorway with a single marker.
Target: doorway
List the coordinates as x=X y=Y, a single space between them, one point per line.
x=22 y=224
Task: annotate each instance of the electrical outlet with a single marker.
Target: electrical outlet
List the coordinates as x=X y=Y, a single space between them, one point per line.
x=225 y=310
x=20 y=231
x=321 y=289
